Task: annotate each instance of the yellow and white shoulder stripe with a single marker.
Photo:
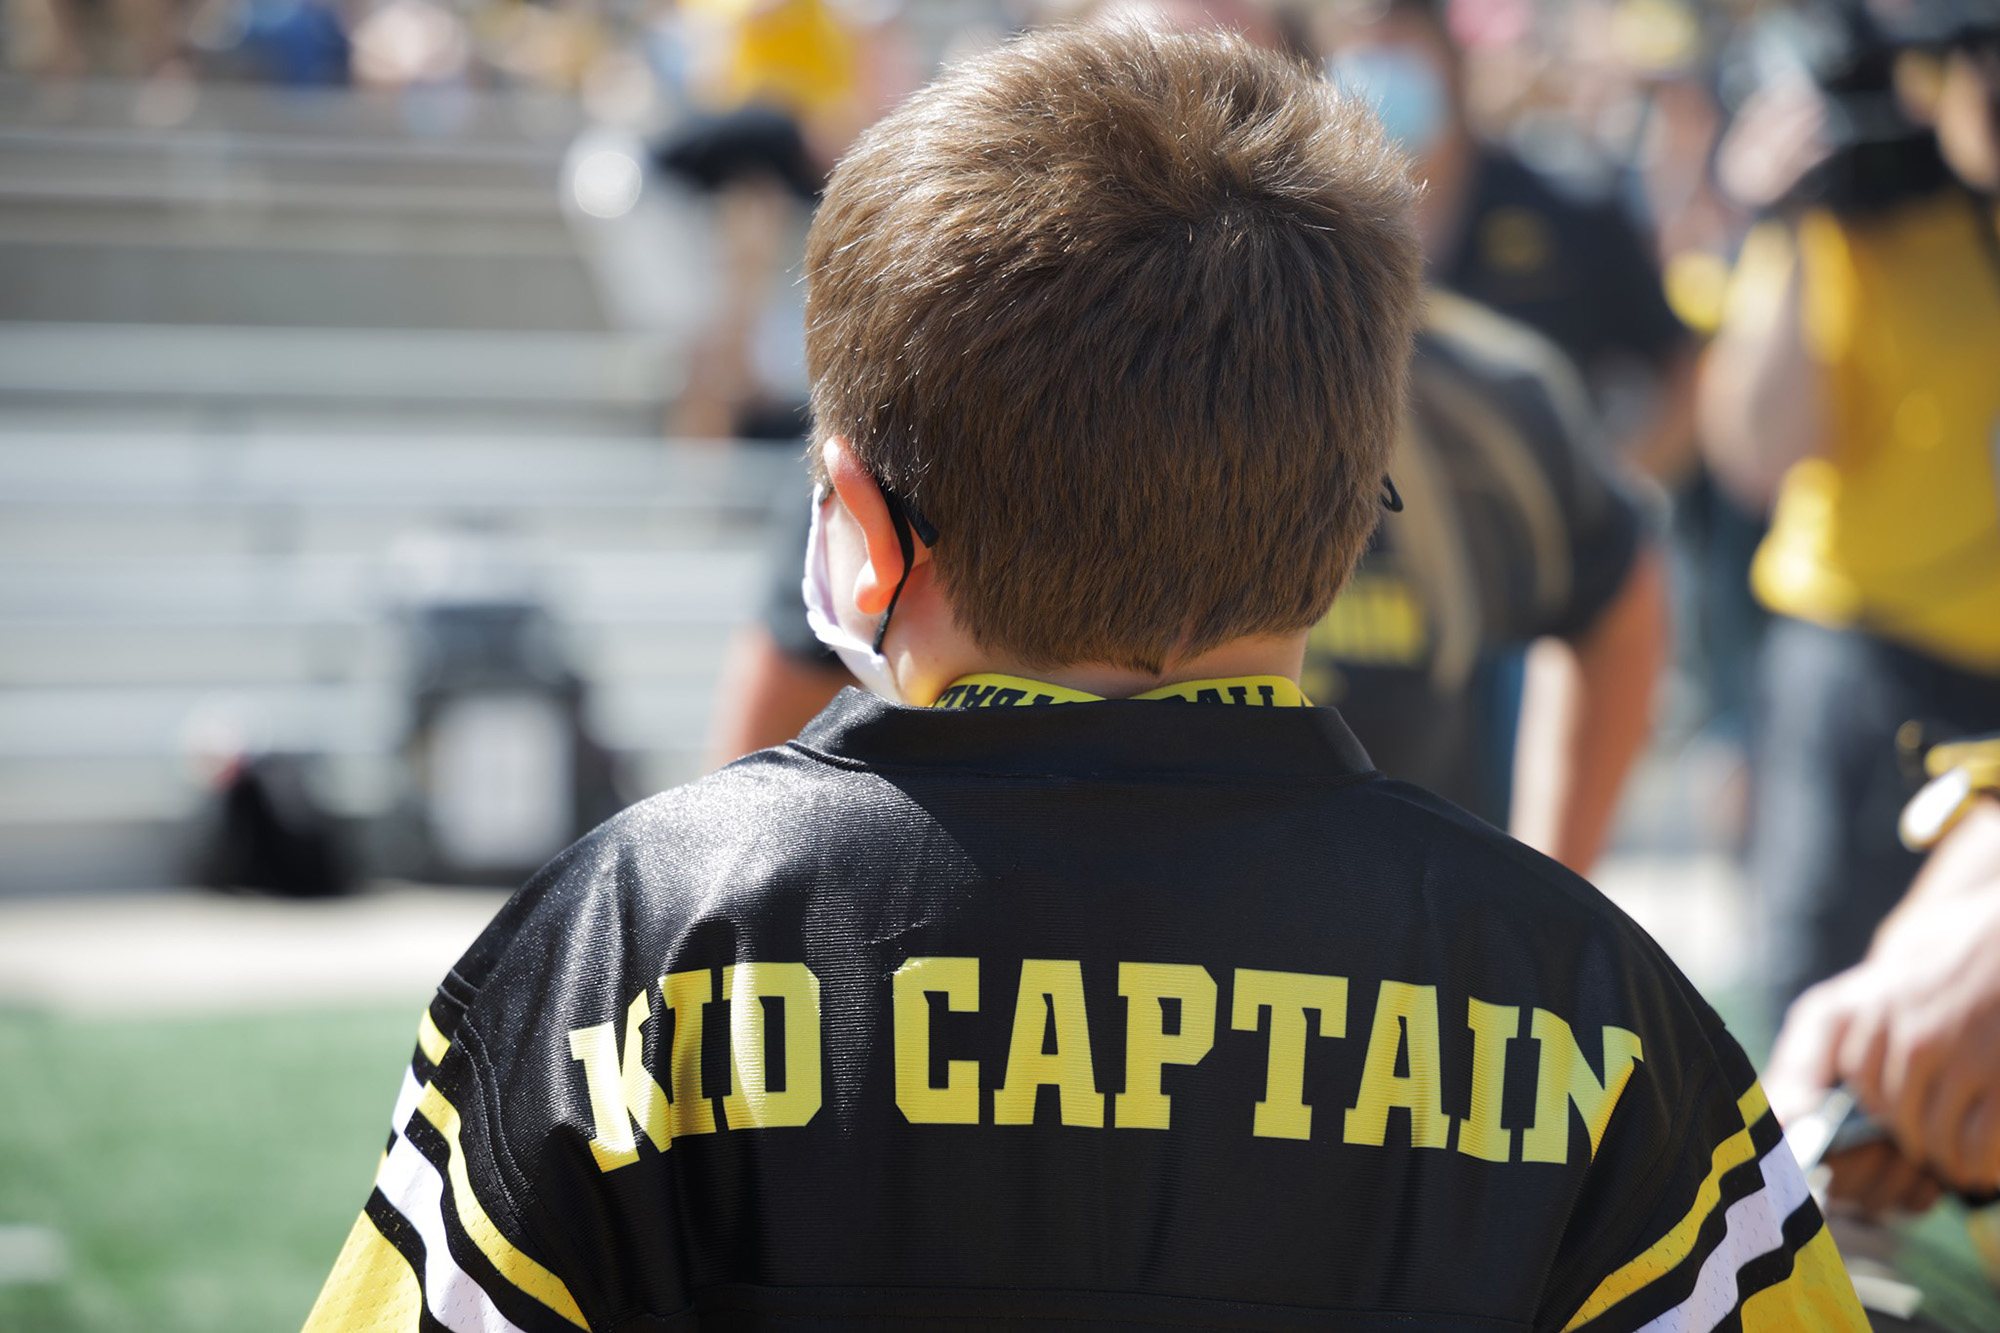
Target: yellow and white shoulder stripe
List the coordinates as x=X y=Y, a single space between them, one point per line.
x=1753 y=1228
x=1755 y=1225
x=374 y=1285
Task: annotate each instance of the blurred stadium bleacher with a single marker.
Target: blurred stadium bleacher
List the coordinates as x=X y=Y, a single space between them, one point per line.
x=202 y=494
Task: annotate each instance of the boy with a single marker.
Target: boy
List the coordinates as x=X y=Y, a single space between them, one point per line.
x=1114 y=986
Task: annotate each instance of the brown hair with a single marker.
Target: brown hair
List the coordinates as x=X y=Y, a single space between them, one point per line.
x=1126 y=314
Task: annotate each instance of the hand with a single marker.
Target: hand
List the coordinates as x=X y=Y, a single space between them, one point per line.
x=1778 y=136
x=1914 y=1030
x=1873 y=1179
x=1876 y=1180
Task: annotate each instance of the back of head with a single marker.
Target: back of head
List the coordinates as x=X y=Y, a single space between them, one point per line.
x=1126 y=314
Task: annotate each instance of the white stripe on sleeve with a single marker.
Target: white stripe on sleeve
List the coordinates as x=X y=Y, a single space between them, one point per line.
x=406 y=1102
x=413 y=1186
x=1755 y=1226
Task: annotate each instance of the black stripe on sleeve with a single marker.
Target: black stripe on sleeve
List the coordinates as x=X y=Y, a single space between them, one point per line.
x=403 y=1237
x=523 y=1309
x=1670 y=1289
x=1769 y=1269
x=421 y=1068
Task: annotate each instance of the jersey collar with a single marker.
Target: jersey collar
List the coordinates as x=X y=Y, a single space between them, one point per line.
x=992 y=689
x=1117 y=739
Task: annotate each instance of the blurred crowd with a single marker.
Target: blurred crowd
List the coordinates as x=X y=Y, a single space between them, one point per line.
x=1709 y=396
x=644 y=60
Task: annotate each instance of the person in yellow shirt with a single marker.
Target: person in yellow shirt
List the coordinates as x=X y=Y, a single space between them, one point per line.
x=1853 y=388
x=801 y=57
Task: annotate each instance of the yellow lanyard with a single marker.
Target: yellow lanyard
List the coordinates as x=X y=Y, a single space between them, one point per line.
x=990 y=689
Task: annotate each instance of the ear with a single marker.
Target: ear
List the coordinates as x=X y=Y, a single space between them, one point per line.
x=860 y=495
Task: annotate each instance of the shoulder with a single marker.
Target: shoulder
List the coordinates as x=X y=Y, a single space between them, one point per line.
x=640 y=877
x=773 y=800
x=1520 y=379
x=1453 y=840
x=1527 y=922
x=1479 y=342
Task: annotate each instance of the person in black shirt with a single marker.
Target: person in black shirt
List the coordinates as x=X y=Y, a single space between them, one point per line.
x=1082 y=973
x=1571 y=266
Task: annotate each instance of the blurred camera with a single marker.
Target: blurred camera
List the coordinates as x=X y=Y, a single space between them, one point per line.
x=1848 y=50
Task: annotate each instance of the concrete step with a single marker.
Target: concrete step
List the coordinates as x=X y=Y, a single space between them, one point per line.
x=227 y=656
x=98 y=531
x=178 y=285
x=348 y=225
x=339 y=471
x=476 y=367
x=88 y=160
x=260 y=218
x=149 y=723
x=114 y=532
x=637 y=587
x=459 y=117
x=201 y=953
x=218 y=656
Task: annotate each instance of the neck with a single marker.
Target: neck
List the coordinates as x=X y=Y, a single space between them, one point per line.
x=1260 y=655
x=929 y=651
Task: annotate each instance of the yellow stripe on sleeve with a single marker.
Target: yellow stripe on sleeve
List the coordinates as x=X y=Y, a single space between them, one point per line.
x=1817 y=1294
x=1753 y=1105
x=518 y=1268
x=1666 y=1254
x=371 y=1288
x=430 y=1041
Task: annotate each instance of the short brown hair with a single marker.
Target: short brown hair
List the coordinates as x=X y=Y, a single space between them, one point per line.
x=1126 y=314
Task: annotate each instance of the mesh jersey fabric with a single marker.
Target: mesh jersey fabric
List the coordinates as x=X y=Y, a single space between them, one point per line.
x=1140 y=1014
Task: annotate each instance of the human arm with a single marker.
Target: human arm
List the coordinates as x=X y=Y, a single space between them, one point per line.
x=1586 y=706
x=1762 y=404
x=1762 y=398
x=1914 y=1030
x=1586 y=711
x=1664 y=447
x=482 y=1212
x=776 y=675
x=430 y=1248
x=766 y=695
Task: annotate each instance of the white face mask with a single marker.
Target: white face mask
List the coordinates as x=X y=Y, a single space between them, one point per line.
x=1405 y=89
x=858 y=655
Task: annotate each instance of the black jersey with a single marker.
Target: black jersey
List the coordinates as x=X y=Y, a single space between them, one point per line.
x=1572 y=267
x=1130 y=1013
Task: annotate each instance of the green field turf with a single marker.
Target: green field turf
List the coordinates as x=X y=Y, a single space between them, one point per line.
x=202 y=1172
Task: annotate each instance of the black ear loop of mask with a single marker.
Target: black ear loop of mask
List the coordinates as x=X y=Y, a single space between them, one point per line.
x=906 y=517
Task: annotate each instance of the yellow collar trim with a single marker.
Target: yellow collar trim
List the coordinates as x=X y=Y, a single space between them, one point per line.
x=991 y=689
